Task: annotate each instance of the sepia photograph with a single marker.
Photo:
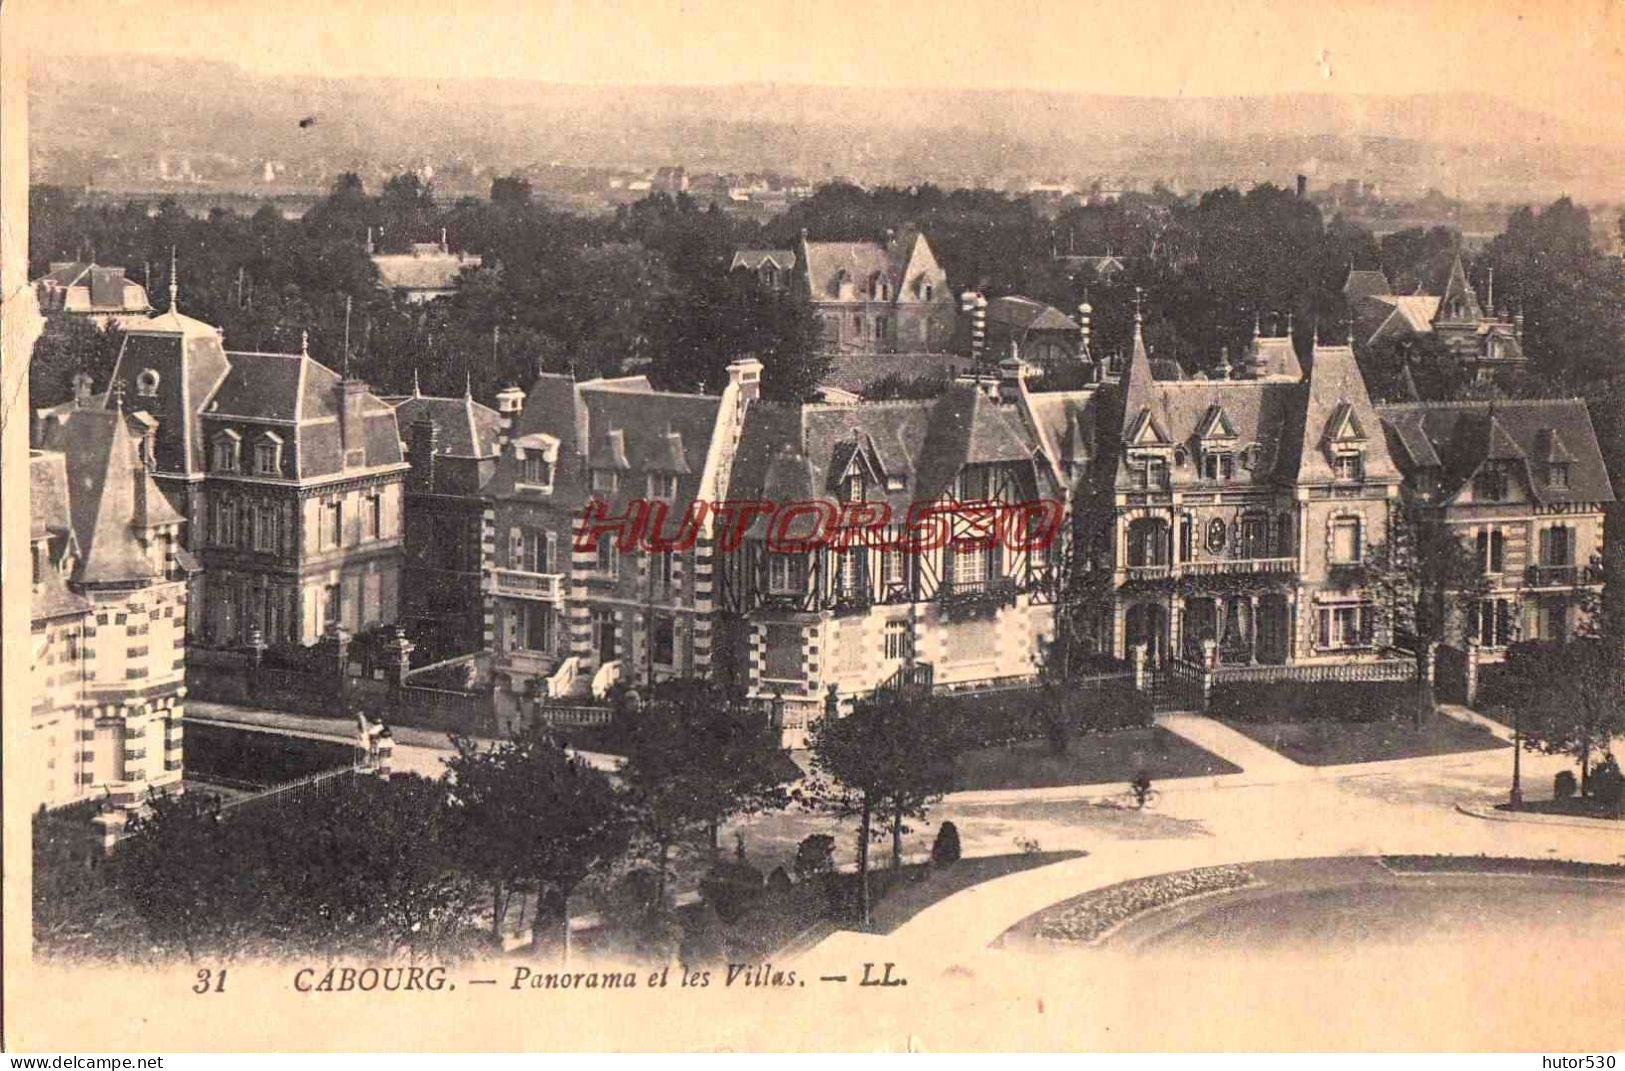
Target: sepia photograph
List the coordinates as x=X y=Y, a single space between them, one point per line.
x=743 y=525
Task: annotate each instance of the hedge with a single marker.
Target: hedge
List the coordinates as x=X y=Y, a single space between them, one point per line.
x=1302 y=701
x=994 y=718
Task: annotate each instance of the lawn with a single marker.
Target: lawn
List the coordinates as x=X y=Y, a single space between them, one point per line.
x=1333 y=743
x=1093 y=759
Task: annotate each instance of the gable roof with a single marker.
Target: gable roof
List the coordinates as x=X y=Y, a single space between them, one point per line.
x=1337 y=400
x=1362 y=284
x=822 y=266
x=1455 y=438
x=753 y=259
x=467 y=428
x=1025 y=314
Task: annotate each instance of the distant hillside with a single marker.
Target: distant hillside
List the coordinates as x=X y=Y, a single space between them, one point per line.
x=89 y=109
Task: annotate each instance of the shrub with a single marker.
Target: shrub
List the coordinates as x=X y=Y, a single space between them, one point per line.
x=730 y=889
x=778 y=882
x=997 y=718
x=1564 y=785
x=815 y=855
x=945 y=849
x=1304 y=701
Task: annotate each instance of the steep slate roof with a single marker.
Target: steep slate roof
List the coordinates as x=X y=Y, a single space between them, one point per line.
x=92 y=288
x=799 y=452
x=296 y=388
x=1362 y=284
x=1025 y=314
x=1456 y=437
x=904 y=258
x=1068 y=424
x=169 y=341
x=1336 y=393
x=1279 y=427
x=753 y=259
x=1274 y=356
x=48 y=519
x=110 y=496
x=467 y=428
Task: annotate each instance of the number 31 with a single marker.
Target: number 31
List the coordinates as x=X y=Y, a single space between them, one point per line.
x=208 y=981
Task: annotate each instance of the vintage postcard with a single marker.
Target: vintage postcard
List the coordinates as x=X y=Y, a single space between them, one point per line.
x=759 y=526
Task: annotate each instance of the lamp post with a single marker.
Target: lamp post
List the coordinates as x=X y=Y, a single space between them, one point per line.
x=1515 y=800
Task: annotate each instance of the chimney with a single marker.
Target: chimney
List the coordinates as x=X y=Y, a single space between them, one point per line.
x=746 y=375
x=83 y=387
x=1223 y=370
x=423 y=443
x=352 y=394
x=1303 y=186
x=1085 y=330
x=510 y=403
x=1012 y=379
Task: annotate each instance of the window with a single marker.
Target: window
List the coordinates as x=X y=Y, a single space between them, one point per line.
x=1491 y=552
x=146 y=384
x=1255 y=536
x=226 y=452
x=265 y=528
x=375 y=515
x=891 y=566
x=1348 y=467
x=850 y=576
x=333 y=527
x=1557 y=546
x=1490 y=622
x=266 y=459
x=1550 y=619
x=533 y=627
x=1490 y=485
x=530 y=550
x=605 y=480
x=899 y=639
x=664 y=640
x=1187 y=525
x=330 y=604
x=1346 y=541
x=662 y=573
x=1345 y=626
x=854 y=488
x=536 y=470
x=882 y=325
x=606 y=562
x=1147 y=542
x=973 y=484
x=1218 y=466
x=662 y=485
x=1149 y=473
x=786 y=574
x=225 y=523
x=971 y=566
x=1557 y=476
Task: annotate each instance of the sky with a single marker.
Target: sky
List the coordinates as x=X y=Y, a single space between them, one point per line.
x=1554 y=55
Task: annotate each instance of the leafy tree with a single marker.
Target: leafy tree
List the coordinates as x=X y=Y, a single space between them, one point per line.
x=890 y=759
x=1570 y=697
x=70 y=345
x=513 y=191
x=527 y=815
x=697 y=756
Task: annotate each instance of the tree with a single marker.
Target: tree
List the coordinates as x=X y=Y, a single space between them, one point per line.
x=527 y=815
x=890 y=758
x=1570 y=698
x=513 y=191
x=696 y=756
x=68 y=346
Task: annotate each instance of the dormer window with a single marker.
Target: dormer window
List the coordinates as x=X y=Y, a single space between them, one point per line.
x=1218 y=465
x=1148 y=473
x=854 y=488
x=662 y=485
x=227 y=452
x=268 y=455
x=1348 y=467
x=973 y=485
x=146 y=384
x=1490 y=485
x=534 y=469
x=1557 y=476
x=605 y=480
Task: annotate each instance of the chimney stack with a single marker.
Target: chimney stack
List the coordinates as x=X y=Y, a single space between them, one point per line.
x=423 y=443
x=746 y=375
x=510 y=402
x=1012 y=378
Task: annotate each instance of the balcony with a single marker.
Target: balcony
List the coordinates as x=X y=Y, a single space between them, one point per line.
x=518 y=584
x=1151 y=571
x=1559 y=576
x=976 y=596
x=1229 y=566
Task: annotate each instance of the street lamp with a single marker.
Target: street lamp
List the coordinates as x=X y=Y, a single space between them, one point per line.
x=1515 y=801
